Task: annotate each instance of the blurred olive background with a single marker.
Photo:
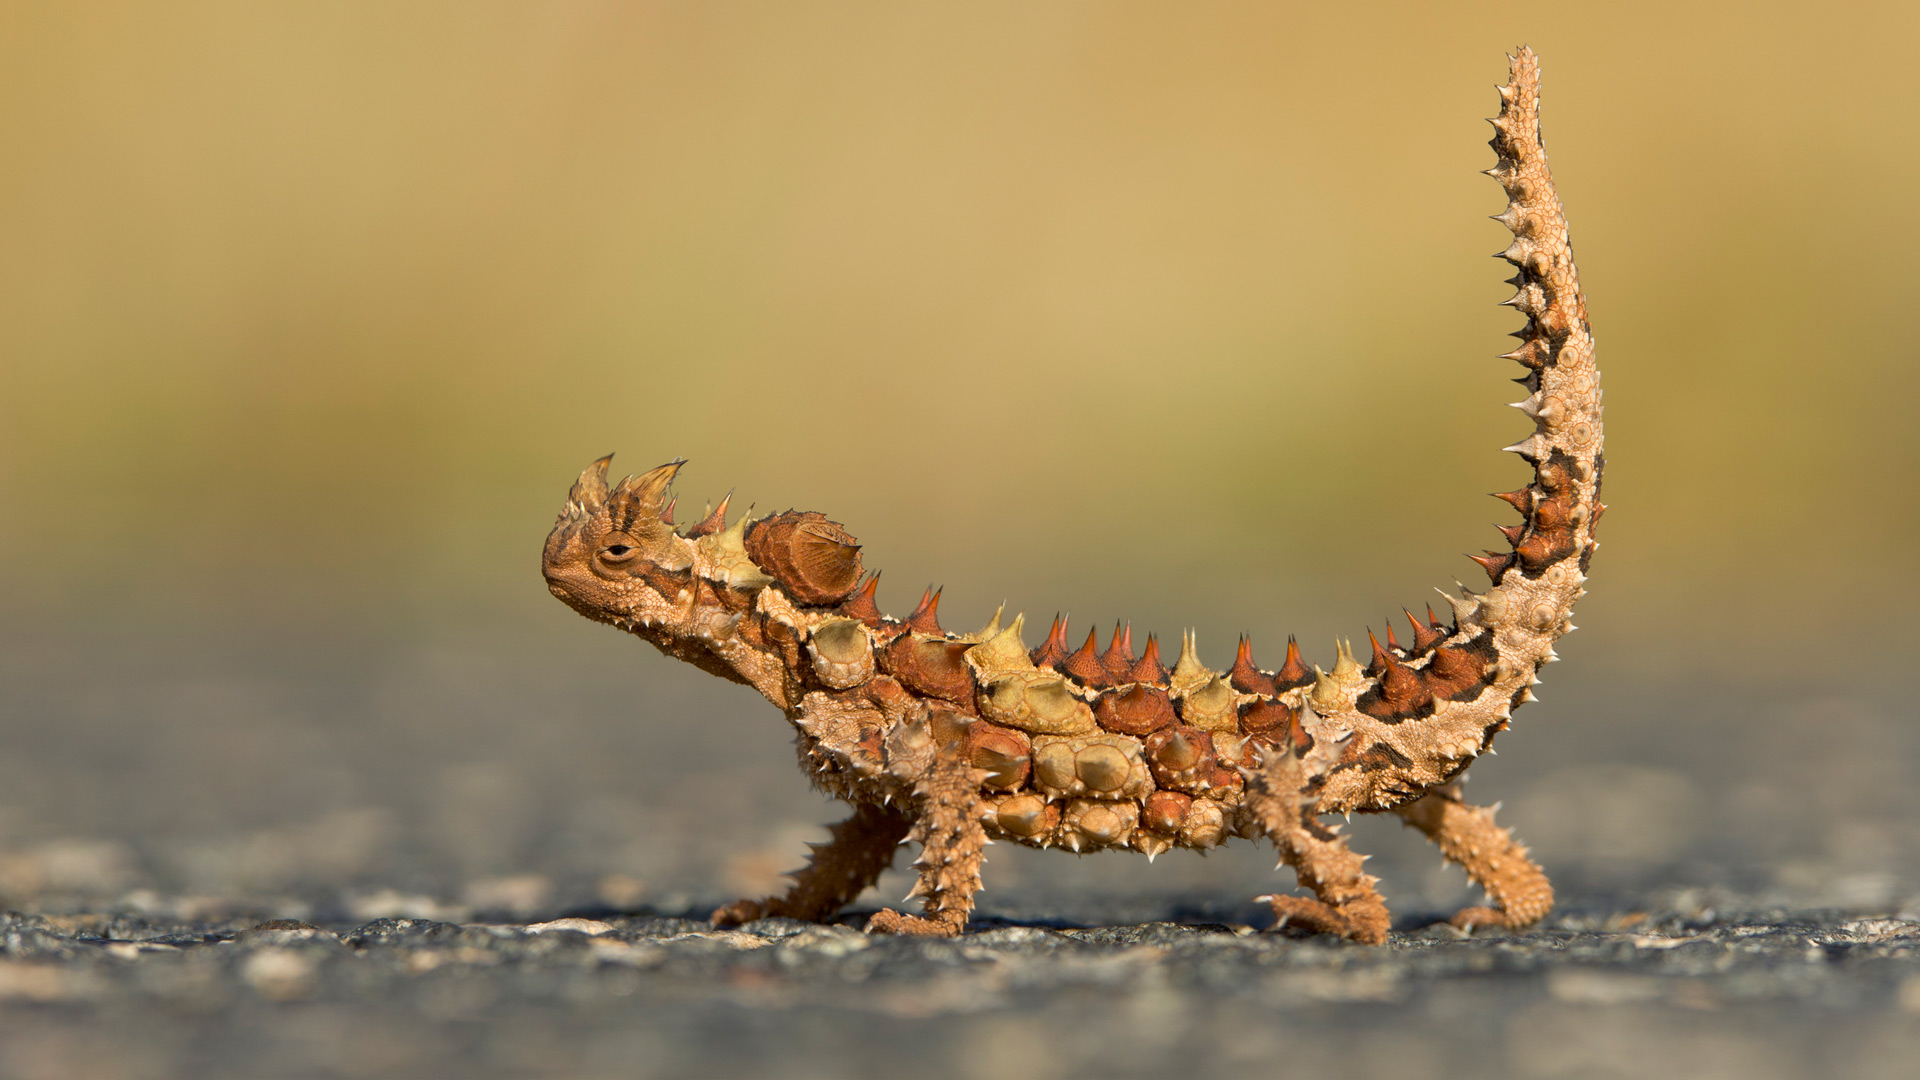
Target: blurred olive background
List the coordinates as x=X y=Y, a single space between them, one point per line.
x=310 y=313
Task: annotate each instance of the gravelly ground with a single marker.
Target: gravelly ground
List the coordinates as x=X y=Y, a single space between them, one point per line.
x=1709 y=991
x=1739 y=875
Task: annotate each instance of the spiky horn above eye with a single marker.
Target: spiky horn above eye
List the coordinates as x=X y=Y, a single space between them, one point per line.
x=590 y=491
x=636 y=504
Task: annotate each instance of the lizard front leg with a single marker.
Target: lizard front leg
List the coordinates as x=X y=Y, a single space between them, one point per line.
x=1282 y=808
x=952 y=842
x=1497 y=862
x=857 y=852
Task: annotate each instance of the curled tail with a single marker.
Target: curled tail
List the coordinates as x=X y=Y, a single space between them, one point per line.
x=1556 y=345
x=1418 y=716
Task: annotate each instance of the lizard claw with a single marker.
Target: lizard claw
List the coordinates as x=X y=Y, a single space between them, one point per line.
x=1318 y=917
x=889 y=921
x=1473 y=918
x=738 y=912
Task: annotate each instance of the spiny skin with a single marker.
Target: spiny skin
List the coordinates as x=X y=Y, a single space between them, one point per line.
x=951 y=740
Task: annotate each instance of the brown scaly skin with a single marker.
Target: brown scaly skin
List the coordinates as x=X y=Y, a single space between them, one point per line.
x=951 y=740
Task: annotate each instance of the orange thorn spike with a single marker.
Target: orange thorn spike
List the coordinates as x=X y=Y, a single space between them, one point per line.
x=1246 y=676
x=1424 y=637
x=1494 y=563
x=715 y=521
x=1149 y=669
x=926 y=618
x=1520 y=499
x=1380 y=657
x=1119 y=654
x=1295 y=671
x=1085 y=664
x=1053 y=650
x=861 y=605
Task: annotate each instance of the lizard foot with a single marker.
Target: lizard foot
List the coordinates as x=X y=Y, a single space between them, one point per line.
x=1473 y=918
x=889 y=921
x=1366 y=925
x=740 y=911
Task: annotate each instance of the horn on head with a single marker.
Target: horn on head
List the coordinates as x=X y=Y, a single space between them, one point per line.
x=641 y=498
x=590 y=491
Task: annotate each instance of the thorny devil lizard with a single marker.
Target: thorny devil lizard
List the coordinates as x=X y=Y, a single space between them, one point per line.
x=954 y=740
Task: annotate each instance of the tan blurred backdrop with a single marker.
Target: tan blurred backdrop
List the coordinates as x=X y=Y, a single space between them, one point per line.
x=1183 y=313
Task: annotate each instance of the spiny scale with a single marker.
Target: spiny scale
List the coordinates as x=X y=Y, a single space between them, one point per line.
x=956 y=739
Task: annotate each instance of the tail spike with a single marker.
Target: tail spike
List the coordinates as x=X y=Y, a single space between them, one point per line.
x=1494 y=563
x=1344 y=665
x=1325 y=692
x=1425 y=636
x=1245 y=676
x=1381 y=657
x=1294 y=672
x=1463 y=605
x=1520 y=499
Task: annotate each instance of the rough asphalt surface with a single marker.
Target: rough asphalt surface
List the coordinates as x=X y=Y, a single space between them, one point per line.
x=1704 y=992
x=345 y=856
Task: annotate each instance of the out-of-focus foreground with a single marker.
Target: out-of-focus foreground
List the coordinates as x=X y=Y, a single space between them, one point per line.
x=308 y=316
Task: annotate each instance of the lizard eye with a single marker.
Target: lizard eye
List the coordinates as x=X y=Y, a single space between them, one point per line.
x=618 y=551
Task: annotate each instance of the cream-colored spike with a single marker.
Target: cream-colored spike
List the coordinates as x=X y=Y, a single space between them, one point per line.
x=1344 y=667
x=1326 y=693
x=989 y=630
x=1002 y=653
x=722 y=557
x=1188 y=671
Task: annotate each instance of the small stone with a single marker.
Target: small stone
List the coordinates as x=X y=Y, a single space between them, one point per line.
x=589 y=927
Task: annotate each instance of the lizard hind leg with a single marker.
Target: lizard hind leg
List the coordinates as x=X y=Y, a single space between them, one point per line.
x=1497 y=862
x=1345 y=900
x=857 y=852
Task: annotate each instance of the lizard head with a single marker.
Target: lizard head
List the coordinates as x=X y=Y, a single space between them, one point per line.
x=612 y=546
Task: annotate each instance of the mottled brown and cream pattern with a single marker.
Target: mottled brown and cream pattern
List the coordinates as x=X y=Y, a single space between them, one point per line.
x=951 y=739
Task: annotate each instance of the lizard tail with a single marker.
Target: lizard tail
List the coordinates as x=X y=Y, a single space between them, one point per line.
x=1538 y=580
x=1423 y=714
